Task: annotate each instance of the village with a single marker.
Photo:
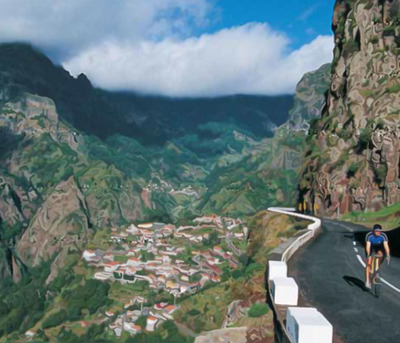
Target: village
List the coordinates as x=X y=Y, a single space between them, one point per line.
x=167 y=187
x=178 y=260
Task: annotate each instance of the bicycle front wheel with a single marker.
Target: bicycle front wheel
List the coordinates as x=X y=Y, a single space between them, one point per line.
x=377 y=289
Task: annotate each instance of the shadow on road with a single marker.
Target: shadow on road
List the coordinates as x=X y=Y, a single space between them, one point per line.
x=353 y=281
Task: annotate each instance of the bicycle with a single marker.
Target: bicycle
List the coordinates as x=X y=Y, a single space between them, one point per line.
x=374 y=274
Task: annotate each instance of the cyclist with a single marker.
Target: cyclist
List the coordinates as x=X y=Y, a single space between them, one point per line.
x=376 y=243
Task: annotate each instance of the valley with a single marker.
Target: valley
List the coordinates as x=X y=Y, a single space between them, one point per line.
x=74 y=204
x=129 y=215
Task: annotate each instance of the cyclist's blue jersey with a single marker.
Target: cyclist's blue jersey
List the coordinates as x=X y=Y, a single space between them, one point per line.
x=376 y=241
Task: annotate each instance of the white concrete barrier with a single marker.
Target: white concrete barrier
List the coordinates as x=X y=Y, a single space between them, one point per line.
x=285 y=291
x=303 y=325
x=300 y=241
x=307 y=325
x=277 y=269
x=290 y=321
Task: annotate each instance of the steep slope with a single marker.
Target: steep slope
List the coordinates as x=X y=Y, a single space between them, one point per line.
x=46 y=173
x=61 y=184
x=25 y=69
x=352 y=160
x=265 y=172
x=310 y=98
x=57 y=181
x=161 y=119
x=149 y=119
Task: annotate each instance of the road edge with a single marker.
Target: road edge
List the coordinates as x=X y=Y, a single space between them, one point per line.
x=284 y=252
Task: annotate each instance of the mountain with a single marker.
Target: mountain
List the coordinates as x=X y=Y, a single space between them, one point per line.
x=55 y=176
x=23 y=69
x=352 y=158
x=265 y=172
x=78 y=162
x=149 y=119
x=161 y=119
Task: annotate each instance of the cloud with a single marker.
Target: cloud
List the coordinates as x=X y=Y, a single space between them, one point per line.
x=308 y=12
x=150 y=46
x=72 y=25
x=249 y=59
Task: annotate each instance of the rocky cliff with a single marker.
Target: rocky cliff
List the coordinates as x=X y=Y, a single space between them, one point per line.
x=52 y=191
x=310 y=98
x=352 y=160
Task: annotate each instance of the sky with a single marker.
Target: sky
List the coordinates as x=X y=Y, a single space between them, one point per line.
x=178 y=48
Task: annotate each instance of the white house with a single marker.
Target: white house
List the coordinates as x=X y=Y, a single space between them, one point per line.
x=90 y=256
x=132 y=328
x=30 y=333
x=111 y=266
x=133 y=262
x=108 y=257
x=151 y=323
x=130 y=271
x=133 y=230
x=102 y=276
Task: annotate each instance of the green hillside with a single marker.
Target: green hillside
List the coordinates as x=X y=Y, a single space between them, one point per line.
x=72 y=168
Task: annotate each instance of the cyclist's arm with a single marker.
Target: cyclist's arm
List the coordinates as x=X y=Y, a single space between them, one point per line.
x=368 y=248
x=387 y=249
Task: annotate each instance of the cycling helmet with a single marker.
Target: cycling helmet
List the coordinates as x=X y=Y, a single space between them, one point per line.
x=377 y=227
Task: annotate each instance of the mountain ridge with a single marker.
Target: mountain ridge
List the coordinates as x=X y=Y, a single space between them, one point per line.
x=149 y=119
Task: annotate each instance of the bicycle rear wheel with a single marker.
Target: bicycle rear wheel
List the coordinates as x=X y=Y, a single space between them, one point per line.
x=376 y=284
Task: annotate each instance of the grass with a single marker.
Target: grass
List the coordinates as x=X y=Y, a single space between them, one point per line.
x=206 y=310
x=388 y=217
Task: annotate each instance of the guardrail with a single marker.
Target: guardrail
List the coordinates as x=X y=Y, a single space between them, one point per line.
x=303 y=239
x=295 y=324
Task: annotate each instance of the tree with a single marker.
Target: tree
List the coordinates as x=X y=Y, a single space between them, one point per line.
x=258 y=310
x=212 y=240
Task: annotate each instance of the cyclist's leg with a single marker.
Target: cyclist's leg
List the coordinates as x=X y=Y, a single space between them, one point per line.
x=381 y=256
x=368 y=270
x=377 y=260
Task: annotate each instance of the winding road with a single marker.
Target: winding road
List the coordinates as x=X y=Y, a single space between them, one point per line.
x=330 y=274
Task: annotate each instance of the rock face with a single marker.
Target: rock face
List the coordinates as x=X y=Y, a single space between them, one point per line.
x=61 y=223
x=45 y=209
x=352 y=162
x=235 y=335
x=310 y=98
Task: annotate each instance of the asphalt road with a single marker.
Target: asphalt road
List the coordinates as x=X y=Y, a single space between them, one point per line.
x=331 y=277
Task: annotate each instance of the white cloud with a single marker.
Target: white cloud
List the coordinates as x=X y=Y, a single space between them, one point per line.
x=149 y=46
x=308 y=12
x=250 y=59
x=71 y=25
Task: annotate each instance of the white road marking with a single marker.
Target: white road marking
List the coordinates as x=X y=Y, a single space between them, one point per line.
x=390 y=285
x=344 y=227
x=382 y=279
x=354 y=243
x=364 y=265
x=355 y=249
x=361 y=261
